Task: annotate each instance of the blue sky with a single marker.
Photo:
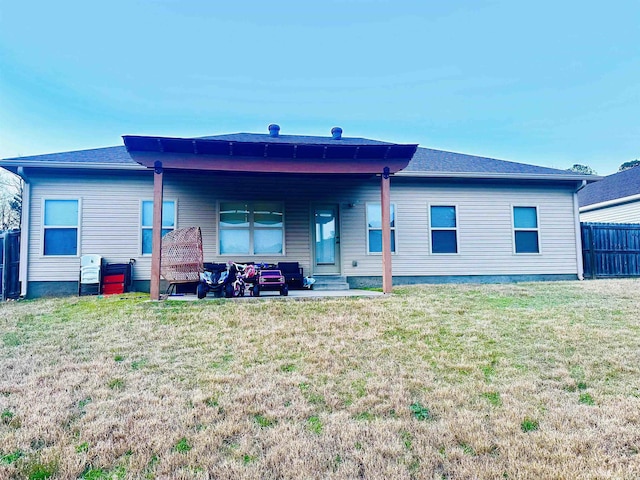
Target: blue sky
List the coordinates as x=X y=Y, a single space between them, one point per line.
x=548 y=82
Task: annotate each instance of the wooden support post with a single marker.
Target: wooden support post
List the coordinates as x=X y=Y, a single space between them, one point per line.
x=385 y=204
x=156 y=235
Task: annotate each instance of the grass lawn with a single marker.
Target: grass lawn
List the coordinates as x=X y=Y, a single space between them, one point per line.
x=448 y=381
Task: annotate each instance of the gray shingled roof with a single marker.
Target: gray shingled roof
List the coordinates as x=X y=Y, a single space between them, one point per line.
x=425 y=161
x=299 y=139
x=436 y=161
x=105 y=155
x=619 y=185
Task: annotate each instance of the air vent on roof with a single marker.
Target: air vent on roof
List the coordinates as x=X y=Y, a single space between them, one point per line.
x=274 y=130
x=336 y=133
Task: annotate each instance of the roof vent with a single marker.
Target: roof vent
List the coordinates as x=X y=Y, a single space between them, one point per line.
x=274 y=130
x=336 y=133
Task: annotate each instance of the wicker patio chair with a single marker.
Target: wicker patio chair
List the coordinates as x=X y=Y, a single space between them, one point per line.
x=182 y=258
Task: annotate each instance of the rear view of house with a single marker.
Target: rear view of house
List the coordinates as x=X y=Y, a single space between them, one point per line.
x=318 y=201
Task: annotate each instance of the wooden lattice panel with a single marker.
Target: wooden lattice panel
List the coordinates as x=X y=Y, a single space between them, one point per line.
x=182 y=259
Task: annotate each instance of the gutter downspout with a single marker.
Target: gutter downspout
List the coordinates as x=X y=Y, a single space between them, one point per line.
x=24 y=233
x=578 y=230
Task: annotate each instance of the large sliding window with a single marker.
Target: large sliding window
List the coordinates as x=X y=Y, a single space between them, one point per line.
x=146 y=220
x=251 y=228
x=60 y=227
x=525 y=230
x=444 y=229
x=374 y=228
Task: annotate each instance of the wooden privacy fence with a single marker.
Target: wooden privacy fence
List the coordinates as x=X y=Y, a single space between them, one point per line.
x=611 y=250
x=9 y=264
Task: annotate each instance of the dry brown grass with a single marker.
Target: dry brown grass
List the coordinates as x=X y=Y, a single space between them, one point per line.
x=432 y=382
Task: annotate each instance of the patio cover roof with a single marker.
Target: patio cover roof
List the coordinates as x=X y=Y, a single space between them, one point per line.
x=267 y=156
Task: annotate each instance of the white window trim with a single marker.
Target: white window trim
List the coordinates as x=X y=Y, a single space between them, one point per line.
x=367 y=229
x=141 y=227
x=77 y=227
x=252 y=228
x=514 y=229
x=443 y=229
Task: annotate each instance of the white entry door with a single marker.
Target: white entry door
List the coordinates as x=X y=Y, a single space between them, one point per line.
x=326 y=233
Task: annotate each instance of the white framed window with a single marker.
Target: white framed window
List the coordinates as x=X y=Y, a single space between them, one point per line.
x=251 y=228
x=60 y=225
x=374 y=228
x=443 y=221
x=146 y=222
x=526 y=238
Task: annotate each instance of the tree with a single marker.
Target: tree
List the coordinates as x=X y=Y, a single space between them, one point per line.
x=11 y=190
x=629 y=164
x=578 y=168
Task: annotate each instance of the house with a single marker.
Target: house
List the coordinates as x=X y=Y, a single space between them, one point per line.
x=367 y=211
x=614 y=199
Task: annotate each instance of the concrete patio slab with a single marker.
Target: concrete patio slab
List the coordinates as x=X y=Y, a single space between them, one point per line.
x=293 y=295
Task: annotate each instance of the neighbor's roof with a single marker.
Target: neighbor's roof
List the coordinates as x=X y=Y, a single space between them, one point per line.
x=617 y=186
x=426 y=162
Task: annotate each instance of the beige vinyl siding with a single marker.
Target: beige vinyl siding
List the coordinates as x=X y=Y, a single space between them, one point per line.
x=110 y=221
x=626 y=213
x=110 y=217
x=485 y=231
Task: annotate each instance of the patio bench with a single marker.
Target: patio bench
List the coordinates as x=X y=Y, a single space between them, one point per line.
x=292 y=273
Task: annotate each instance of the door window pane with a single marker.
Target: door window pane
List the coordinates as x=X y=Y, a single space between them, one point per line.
x=325 y=220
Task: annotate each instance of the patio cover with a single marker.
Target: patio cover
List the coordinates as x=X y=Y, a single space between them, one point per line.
x=268 y=157
x=327 y=157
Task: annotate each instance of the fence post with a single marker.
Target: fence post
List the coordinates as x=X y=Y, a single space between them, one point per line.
x=3 y=255
x=592 y=252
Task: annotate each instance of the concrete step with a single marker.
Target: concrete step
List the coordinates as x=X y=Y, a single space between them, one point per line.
x=333 y=282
